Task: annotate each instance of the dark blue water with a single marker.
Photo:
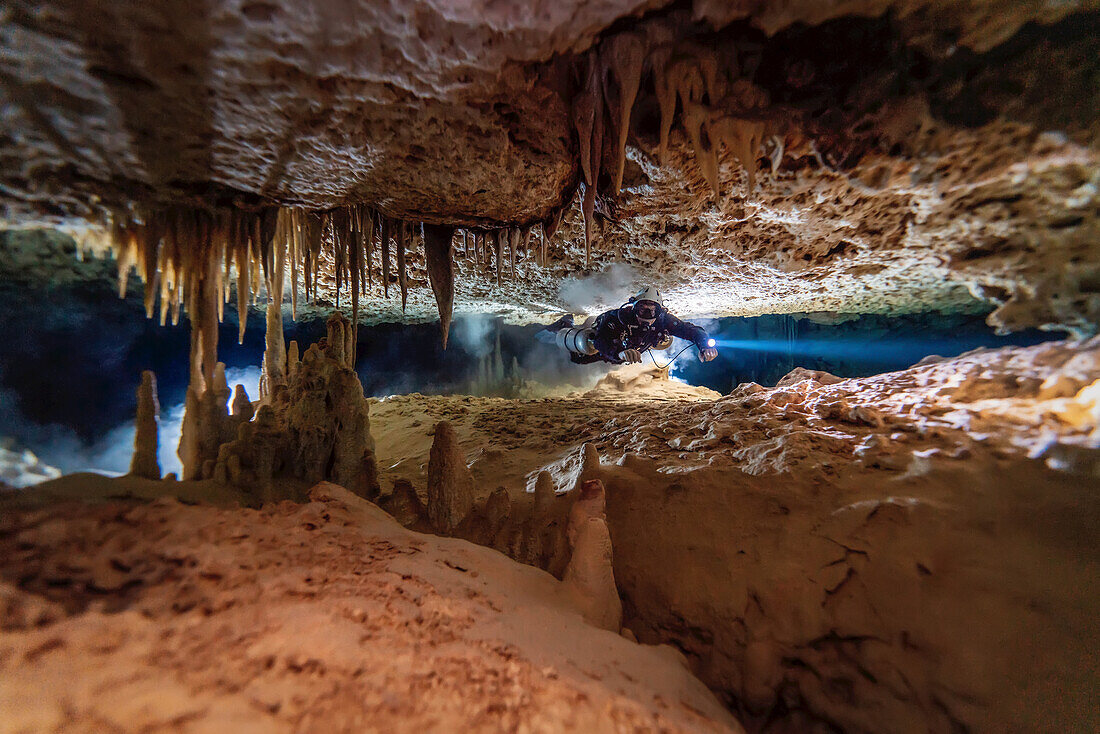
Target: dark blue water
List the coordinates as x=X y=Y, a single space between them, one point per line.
x=766 y=348
x=73 y=357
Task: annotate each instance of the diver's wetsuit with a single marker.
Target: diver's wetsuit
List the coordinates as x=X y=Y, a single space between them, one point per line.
x=618 y=330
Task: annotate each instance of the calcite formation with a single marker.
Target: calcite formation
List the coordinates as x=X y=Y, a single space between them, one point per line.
x=315 y=426
x=590 y=575
x=145 y=463
x=909 y=551
x=729 y=151
x=906 y=552
x=312 y=425
x=450 y=486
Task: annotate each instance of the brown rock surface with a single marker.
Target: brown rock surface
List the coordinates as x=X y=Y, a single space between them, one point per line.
x=450 y=487
x=908 y=552
x=325 y=616
x=895 y=154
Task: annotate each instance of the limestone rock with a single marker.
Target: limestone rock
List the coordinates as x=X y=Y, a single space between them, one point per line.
x=145 y=463
x=450 y=485
x=589 y=577
x=314 y=427
x=404 y=504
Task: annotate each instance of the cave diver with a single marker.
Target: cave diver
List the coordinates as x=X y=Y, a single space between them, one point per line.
x=622 y=335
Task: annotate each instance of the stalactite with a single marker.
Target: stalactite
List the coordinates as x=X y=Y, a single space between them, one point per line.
x=499 y=252
x=743 y=139
x=259 y=256
x=588 y=207
x=551 y=225
x=622 y=56
x=387 y=228
x=403 y=237
x=542 y=245
x=356 y=262
x=314 y=240
x=513 y=246
x=587 y=108
x=588 y=120
x=695 y=122
x=275 y=351
x=525 y=236
x=437 y=254
x=295 y=251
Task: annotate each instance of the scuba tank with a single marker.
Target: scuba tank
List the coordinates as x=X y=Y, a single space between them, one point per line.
x=577 y=339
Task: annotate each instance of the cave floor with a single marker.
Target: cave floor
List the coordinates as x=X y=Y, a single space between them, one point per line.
x=913 y=551
x=324 y=616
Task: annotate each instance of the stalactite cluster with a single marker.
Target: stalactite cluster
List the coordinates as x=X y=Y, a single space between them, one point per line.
x=718 y=106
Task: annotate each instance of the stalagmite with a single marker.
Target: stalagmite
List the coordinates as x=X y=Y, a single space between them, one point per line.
x=544 y=492
x=292 y=360
x=404 y=504
x=441 y=276
x=144 y=462
x=315 y=427
x=450 y=486
x=589 y=578
x=498 y=360
x=337 y=338
x=349 y=346
x=215 y=427
x=242 y=407
x=188 y=450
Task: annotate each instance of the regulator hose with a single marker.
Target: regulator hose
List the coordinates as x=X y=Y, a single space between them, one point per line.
x=665 y=367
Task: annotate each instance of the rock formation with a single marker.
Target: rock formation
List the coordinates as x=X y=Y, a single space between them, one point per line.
x=850 y=554
x=145 y=463
x=590 y=578
x=912 y=551
x=314 y=427
x=325 y=596
x=741 y=135
x=450 y=486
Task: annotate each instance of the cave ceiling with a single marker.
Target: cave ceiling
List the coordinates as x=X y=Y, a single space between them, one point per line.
x=903 y=155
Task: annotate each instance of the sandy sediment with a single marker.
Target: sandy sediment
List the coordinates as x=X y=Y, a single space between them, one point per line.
x=324 y=616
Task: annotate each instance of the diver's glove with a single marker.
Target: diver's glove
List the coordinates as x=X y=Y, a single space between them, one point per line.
x=708 y=354
x=631 y=356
